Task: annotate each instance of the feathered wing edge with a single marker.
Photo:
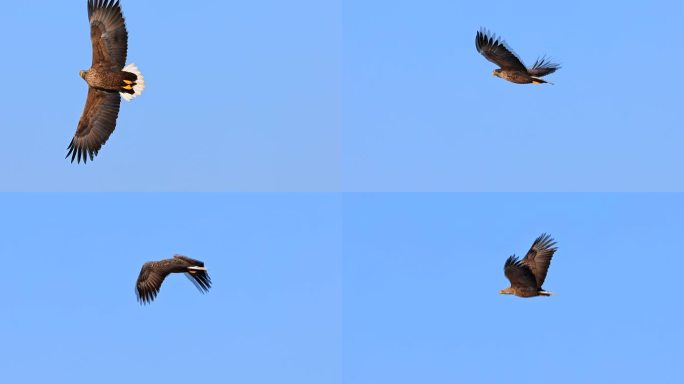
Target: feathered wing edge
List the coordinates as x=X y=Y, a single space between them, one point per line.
x=518 y=273
x=148 y=284
x=200 y=279
x=543 y=66
x=490 y=45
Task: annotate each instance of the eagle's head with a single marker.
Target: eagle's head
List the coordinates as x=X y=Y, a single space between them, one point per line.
x=497 y=72
x=83 y=74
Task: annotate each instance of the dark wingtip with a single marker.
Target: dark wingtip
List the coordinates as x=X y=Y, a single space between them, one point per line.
x=545 y=241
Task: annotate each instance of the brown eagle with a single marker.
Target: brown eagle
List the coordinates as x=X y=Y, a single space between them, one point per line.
x=512 y=69
x=527 y=275
x=107 y=78
x=153 y=273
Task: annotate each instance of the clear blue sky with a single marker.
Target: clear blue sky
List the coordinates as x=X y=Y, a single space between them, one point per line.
x=70 y=315
x=422 y=274
x=358 y=95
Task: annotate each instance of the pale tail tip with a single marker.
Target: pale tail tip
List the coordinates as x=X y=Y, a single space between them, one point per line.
x=139 y=84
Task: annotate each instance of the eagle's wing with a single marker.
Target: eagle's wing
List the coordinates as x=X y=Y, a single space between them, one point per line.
x=189 y=261
x=518 y=273
x=149 y=282
x=201 y=279
x=496 y=51
x=108 y=34
x=539 y=256
x=97 y=123
x=543 y=67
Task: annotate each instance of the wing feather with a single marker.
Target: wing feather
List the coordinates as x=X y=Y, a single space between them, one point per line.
x=189 y=261
x=200 y=279
x=149 y=282
x=495 y=50
x=518 y=273
x=96 y=125
x=108 y=34
x=538 y=258
x=543 y=67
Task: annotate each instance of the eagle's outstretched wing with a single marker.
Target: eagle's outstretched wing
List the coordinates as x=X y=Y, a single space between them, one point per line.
x=539 y=256
x=496 y=51
x=108 y=34
x=149 y=282
x=97 y=123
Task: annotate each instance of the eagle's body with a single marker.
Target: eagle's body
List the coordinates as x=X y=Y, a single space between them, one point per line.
x=107 y=78
x=153 y=273
x=517 y=77
x=511 y=67
x=527 y=275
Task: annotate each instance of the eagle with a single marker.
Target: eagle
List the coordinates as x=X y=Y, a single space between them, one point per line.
x=527 y=275
x=153 y=273
x=107 y=78
x=511 y=68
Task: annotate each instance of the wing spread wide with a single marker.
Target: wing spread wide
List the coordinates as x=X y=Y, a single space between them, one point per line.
x=518 y=273
x=108 y=34
x=496 y=51
x=96 y=124
x=539 y=256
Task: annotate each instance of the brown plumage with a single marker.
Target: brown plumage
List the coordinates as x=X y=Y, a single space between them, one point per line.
x=106 y=78
x=511 y=68
x=528 y=275
x=153 y=273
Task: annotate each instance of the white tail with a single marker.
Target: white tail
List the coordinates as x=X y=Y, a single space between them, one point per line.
x=139 y=84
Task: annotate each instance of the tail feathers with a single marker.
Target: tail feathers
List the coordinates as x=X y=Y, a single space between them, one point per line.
x=546 y=293
x=136 y=88
x=538 y=80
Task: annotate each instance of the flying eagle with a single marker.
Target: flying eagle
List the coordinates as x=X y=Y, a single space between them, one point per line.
x=153 y=273
x=512 y=69
x=107 y=78
x=527 y=275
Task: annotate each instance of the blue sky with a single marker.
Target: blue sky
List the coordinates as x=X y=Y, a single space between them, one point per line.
x=70 y=312
x=422 y=274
